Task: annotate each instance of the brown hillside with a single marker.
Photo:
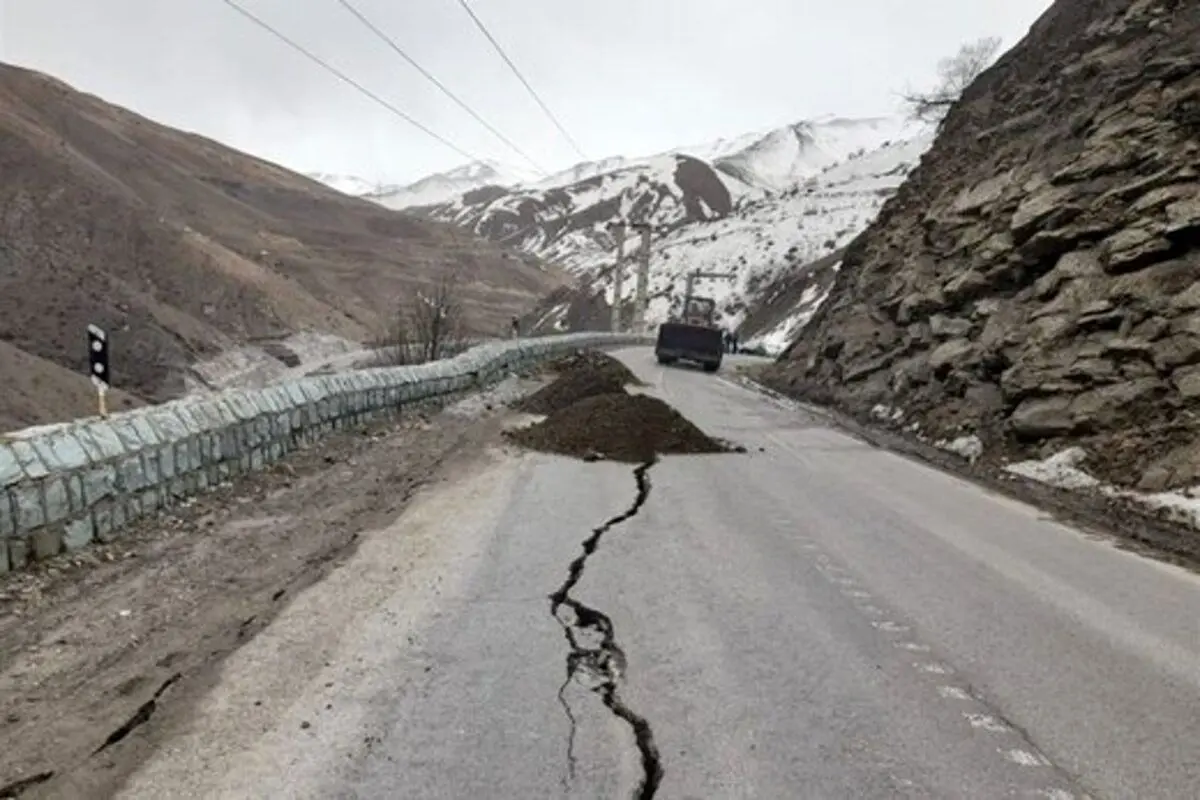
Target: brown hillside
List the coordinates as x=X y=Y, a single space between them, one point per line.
x=1037 y=278
x=181 y=247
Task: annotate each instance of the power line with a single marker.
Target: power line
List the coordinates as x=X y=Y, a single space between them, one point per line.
x=483 y=28
x=399 y=51
x=349 y=80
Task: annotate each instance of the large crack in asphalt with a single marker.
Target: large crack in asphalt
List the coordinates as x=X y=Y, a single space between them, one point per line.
x=595 y=660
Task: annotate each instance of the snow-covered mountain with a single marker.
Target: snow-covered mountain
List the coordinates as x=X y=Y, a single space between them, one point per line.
x=764 y=206
x=433 y=189
x=347 y=184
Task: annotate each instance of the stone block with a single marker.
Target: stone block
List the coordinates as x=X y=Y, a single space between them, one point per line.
x=82 y=434
x=98 y=483
x=128 y=434
x=151 y=468
x=18 y=554
x=106 y=439
x=131 y=474
x=79 y=533
x=168 y=423
x=10 y=467
x=77 y=498
x=195 y=457
x=27 y=504
x=133 y=508
x=55 y=499
x=146 y=431
x=151 y=500
x=4 y=568
x=60 y=451
x=165 y=456
x=45 y=543
x=8 y=517
x=183 y=462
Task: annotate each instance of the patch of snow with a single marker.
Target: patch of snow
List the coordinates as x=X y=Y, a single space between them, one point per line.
x=775 y=340
x=969 y=447
x=1060 y=470
x=1184 y=505
x=887 y=413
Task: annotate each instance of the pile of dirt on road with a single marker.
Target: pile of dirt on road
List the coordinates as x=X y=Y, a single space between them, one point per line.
x=596 y=361
x=582 y=375
x=617 y=426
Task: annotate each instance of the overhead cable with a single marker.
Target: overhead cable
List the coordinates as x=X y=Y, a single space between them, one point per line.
x=483 y=28
x=400 y=51
x=329 y=68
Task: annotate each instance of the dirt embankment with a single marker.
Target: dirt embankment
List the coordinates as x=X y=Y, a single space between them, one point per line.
x=1036 y=280
x=182 y=248
x=592 y=416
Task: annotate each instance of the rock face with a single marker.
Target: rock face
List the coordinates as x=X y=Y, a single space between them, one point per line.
x=1036 y=280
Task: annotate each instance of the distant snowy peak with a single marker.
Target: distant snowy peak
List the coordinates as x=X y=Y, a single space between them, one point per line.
x=346 y=184
x=431 y=190
x=445 y=186
x=787 y=156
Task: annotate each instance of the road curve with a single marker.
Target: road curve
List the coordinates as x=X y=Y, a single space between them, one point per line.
x=813 y=618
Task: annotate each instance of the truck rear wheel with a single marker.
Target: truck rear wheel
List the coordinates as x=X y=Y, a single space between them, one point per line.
x=711 y=367
x=666 y=360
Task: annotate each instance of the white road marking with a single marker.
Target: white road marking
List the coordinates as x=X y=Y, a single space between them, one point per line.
x=1025 y=758
x=891 y=627
x=933 y=668
x=913 y=647
x=874 y=611
x=987 y=722
x=953 y=693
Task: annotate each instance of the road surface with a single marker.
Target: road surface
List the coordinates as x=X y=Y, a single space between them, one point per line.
x=814 y=618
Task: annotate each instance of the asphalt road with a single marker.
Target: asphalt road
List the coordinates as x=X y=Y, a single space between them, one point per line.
x=813 y=618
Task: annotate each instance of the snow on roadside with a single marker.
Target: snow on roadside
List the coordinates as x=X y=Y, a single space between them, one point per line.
x=969 y=447
x=775 y=340
x=1062 y=471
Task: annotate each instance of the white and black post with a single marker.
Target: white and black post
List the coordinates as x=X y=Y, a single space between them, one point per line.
x=98 y=362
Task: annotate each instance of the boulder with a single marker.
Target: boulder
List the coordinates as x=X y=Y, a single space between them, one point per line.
x=956 y=352
x=1131 y=248
x=945 y=327
x=1187 y=381
x=1042 y=417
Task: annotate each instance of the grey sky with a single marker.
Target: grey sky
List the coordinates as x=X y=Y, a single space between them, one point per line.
x=624 y=76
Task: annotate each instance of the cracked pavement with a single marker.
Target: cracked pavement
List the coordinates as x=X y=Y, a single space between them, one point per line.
x=813 y=618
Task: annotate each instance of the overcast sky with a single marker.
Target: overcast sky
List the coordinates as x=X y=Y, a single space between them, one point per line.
x=624 y=76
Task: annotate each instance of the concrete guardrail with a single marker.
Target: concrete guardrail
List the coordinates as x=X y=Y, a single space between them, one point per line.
x=63 y=487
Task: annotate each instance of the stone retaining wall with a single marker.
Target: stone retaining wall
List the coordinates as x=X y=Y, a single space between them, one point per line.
x=63 y=486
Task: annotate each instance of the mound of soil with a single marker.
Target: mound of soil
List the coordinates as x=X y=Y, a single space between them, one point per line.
x=596 y=361
x=617 y=426
x=587 y=374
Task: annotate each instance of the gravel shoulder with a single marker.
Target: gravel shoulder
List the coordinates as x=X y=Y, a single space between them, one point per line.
x=103 y=654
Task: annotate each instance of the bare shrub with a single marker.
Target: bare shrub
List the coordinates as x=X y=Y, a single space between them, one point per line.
x=431 y=325
x=955 y=74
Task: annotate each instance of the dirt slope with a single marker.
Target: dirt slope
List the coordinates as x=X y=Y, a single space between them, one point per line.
x=1036 y=280
x=182 y=247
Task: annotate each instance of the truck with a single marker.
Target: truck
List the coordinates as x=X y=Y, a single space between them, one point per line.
x=693 y=336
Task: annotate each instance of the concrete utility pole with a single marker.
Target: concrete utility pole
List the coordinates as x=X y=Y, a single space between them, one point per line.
x=641 y=300
x=618 y=229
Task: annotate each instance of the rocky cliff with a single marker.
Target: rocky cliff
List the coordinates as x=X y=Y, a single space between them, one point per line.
x=1036 y=280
